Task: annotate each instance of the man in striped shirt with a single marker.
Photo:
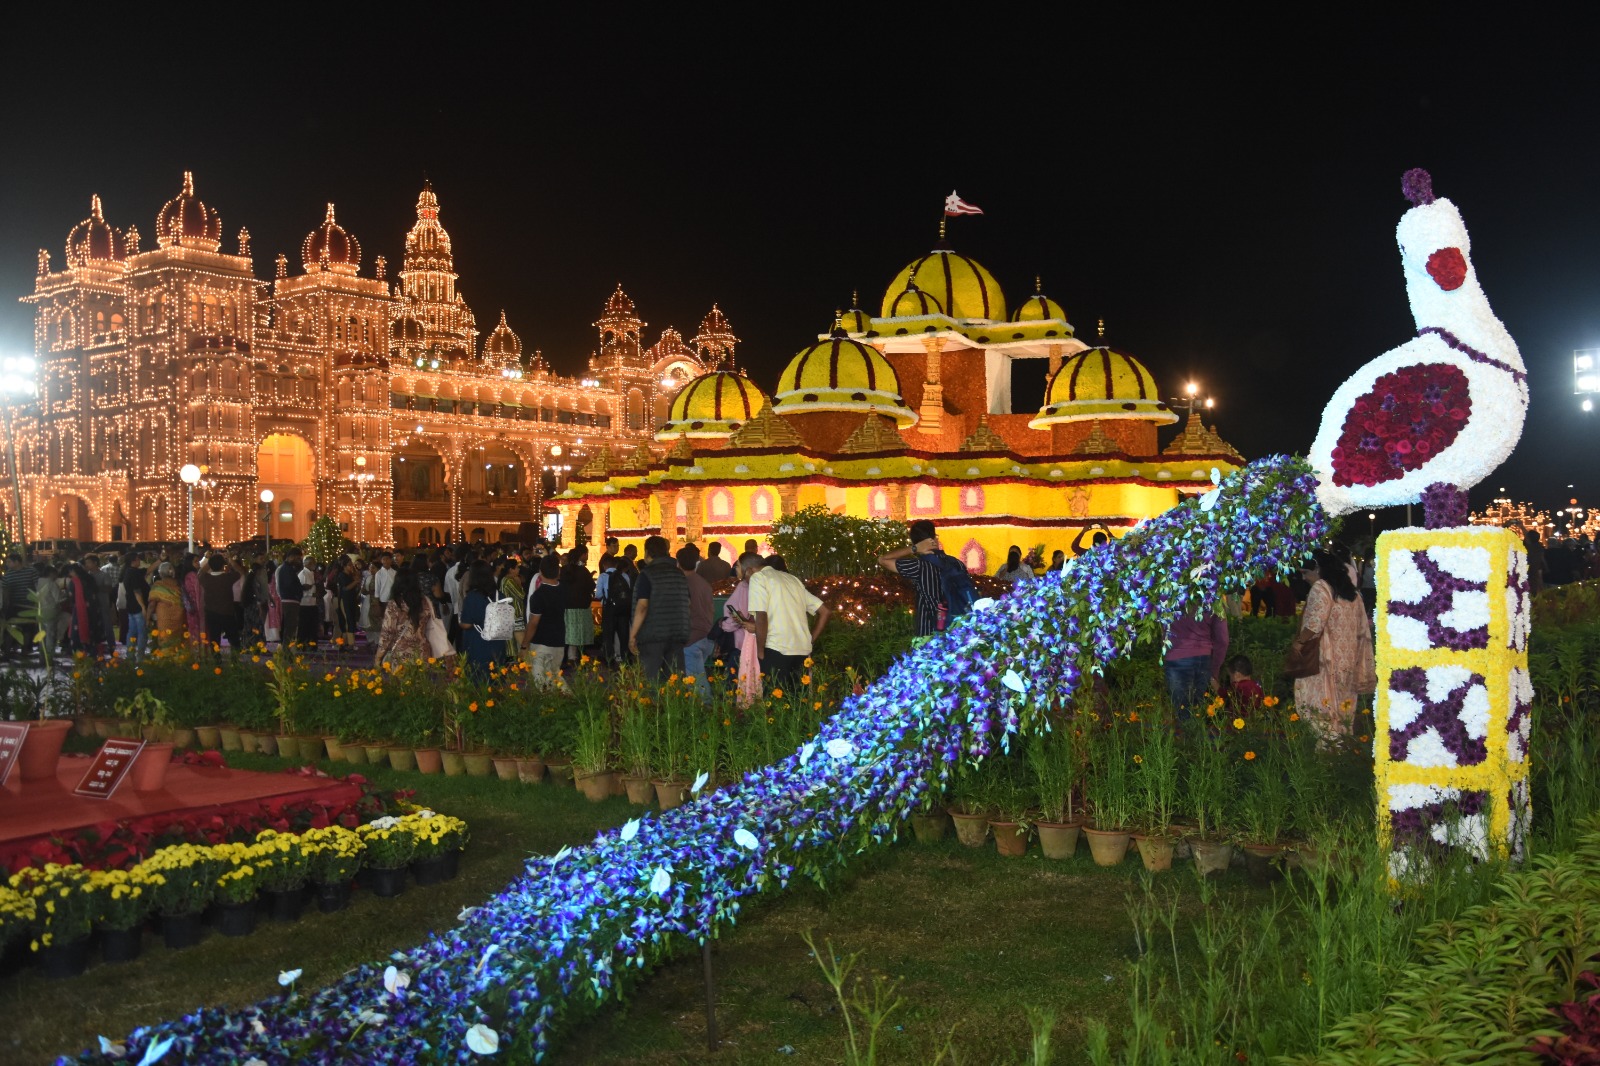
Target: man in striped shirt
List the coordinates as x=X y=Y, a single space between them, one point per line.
x=918 y=563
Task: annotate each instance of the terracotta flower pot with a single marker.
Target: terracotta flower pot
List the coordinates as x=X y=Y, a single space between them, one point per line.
x=429 y=760
x=355 y=754
x=312 y=748
x=230 y=738
x=105 y=727
x=1261 y=863
x=971 y=829
x=1211 y=857
x=1058 y=840
x=334 y=749
x=402 y=759
x=149 y=770
x=1010 y=839
x=377 y=754
x=479 y=764
x=560 y=771
x=83 y=725
x=1108 y=846
x=596 y=787
x=505 y=768
x=670 y=794
x=126 y=728
x=1156 y=851
x=530 y=771
x=617 y=787
x=288 y=745
x=639 y=790
x=930 y=827
x=455 y=764
x=41 y=748
x=209 y=737
x=184 y=737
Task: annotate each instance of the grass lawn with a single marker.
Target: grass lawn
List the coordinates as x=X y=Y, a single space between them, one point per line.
x=973 y=939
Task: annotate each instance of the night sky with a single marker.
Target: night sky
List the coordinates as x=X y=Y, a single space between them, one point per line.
x=1225 y=202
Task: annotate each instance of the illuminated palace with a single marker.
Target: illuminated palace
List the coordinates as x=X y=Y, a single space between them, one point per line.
x=343 y=392
x=908 y=414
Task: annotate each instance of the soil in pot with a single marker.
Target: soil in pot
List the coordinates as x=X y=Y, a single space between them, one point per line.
x=930 y=827
x=530 y=771
x=505 y=768
x=596 y=787
x=386 y=883
x=971 y=829
x=429 y=760
x=1058 y=840
x=1108 y=846
x=181 y=930
x=1156 y=851
x=455 y=764
x=1010 y=839
x=670 y=794
x=640 y=791
x=63 y=960
x=1211 y=857
x=402 y=759
x=209 y=737
x=149 y=770
x=236 y=919
x=41 y=748
x=121 y=945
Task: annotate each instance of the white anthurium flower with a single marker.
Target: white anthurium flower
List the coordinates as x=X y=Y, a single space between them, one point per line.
x=983 y=604
x=806 y=753
x=745 y=839
x=1200 y=571
x=395 y=981
x=157 y=1051
x=660 y=881
x=483 y=1040
x=258 y=1026
x=700 y=782
x=112 y=1049
x=839 y=748
x=563 y=853
x=289 y=977
x=466 y=912
x=488 y=953
x=1209 y=500
x=372 y=1017
x=1013 y=681
x=630 y=830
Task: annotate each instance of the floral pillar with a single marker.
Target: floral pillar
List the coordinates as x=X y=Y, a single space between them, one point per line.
x=693 y=514
x=1454 y=695
x=788 y=498
x=667 y=501
x=897 y=501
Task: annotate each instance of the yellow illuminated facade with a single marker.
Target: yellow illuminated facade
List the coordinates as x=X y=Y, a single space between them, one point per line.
x=151 y=358
x=909 y=415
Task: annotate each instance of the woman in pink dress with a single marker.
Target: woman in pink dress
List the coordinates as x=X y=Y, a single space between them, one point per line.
x=1349 y=670
x=736 y=620
x=194 y=603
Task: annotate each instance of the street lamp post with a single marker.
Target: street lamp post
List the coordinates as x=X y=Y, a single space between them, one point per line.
x=190 y=476
x=362 y=481
x=266 y=520
x=16 y=382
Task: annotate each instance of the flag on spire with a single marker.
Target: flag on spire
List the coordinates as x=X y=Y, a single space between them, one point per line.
x=955 y=205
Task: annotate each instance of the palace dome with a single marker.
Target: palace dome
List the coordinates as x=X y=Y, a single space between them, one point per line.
x=1038 y=308
x=186 y=222
x=854 y=320
x=914 y=303
x=331 y=243
x=95 y=240
x=405 y=332
x=502 y=349
x=840 y=374
x=964 y=289
x=712 y=405
x=1099 y=383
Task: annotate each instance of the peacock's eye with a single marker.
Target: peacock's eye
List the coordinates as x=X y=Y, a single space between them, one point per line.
x=1448 y=268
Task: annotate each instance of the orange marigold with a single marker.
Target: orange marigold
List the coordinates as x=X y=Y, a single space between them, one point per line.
x=1249 y=755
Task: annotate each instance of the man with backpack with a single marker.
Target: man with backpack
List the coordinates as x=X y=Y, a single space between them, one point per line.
x=944 y=588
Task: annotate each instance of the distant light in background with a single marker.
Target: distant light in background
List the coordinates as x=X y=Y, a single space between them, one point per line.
x=1586 y=376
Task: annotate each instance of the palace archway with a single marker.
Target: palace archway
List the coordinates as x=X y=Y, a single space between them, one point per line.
x=66 y=516
x=286 y=464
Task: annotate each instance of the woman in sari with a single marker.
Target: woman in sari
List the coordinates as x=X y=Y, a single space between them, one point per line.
x=166 y=614
x=513 y=589
x=1347 y=669
x=404 y=635
x=194 y=598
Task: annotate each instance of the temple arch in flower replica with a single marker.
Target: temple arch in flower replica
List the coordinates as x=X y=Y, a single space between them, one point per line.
x=307 y=384
x=908 y=414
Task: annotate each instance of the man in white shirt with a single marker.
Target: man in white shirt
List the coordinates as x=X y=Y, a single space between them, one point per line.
x=382 y=592
x=780 y=604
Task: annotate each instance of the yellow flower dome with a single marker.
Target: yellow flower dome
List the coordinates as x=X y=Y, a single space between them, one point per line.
x=840 y=374
x=1099 y=383
x=712 y=406
x=1039 y=308
x=855 y=320
x=964 y=289
x=914 y=303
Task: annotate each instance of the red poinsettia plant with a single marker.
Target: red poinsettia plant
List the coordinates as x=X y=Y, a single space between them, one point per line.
x=1411 y=415
x=1580 y=1044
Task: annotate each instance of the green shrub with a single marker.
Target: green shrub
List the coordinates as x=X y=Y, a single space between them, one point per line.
x=815 y=542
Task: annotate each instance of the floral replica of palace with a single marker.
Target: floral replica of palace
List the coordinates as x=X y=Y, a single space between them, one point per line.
x=1425 y=422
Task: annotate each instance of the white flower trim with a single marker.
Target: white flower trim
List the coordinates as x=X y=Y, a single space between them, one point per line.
x=1465 y=564
x=1406 y=583
x=1468 y=611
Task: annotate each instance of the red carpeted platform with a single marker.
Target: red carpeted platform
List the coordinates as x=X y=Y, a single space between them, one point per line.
x=36 y=810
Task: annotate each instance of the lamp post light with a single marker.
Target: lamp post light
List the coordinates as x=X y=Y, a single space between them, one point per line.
x=16 y=385
x=1191 y=399
x=190 y=476
x=266 y=519
x=361 y=480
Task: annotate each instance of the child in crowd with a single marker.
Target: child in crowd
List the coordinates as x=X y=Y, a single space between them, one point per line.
x=1244 y=694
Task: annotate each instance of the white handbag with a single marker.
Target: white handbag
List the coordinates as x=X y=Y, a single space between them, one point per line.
x=499 y=620
x=433 y=632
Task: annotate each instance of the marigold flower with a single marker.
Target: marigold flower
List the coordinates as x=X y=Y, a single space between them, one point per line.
x=217 y=670
x=1269 y=701
x=1249 y=755
x=1293 y=716
x=777 y=693
x=805 y=679
x=1139 y=759
x=489 y=703
x=1211 y=712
